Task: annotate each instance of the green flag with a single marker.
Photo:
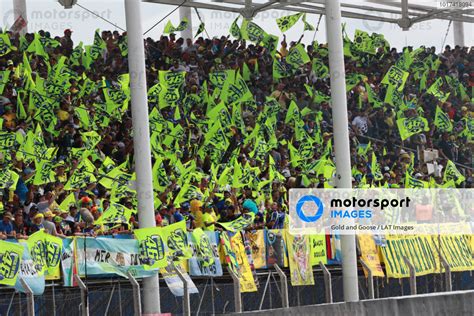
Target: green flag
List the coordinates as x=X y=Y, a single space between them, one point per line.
x=236 y=91
x=152 y=247
x=412 y=182
x=20 y=109
x=5 y=45
x=452 y=173
x=83 y=115
x=435 y=90
x=281 y=69
x=115 y=214
x=44 y=173
x=320 y=69
x=200 y=29
x=270 y=42
x=10 y=263
x=4 y=79
x=37 y=48
x=411 y=126
x=8 y=179
x=169 y=28
x=252 y=32
x=286 y=22
x=235 y=29
x=363 y=42
x=245 y=72
x=98 y=47
x=83 y=176
x=442 y=121
x=375 y=168
x=396 y=77
x=240 y=223
x=67 y=202
x=307 y=26
x=123 y=45
x=297 y=56
x=23 y=44
x=45 y=251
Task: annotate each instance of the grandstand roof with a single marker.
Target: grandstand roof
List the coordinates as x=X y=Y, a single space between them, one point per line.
x=405 y=13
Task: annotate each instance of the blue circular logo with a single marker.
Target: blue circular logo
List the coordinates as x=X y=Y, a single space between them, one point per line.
x=315 y=200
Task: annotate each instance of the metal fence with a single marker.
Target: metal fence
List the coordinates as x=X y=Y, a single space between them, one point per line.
x=216 y=295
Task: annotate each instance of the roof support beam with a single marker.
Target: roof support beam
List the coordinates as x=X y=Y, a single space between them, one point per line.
x=411 y=13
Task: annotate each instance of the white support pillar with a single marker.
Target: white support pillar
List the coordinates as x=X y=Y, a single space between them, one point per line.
x=141 y=140
x=185 y=12
x=19 y=9
x=341 y=138
x=458 y=30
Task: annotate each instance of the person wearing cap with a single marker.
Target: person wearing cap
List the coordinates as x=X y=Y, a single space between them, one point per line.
x=85 y=213
x=37 y=223
x=48 y=223
x=249 y=206
x=6 y=226
x=182 y=214
x=64 y=225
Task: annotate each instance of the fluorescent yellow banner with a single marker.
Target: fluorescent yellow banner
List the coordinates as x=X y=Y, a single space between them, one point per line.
x=247 y=283
x=318 y=249
x=299 y=250
x=369 y=254
x=176 y=239
x=152 y=247
x=456 y=250
x=227 y=253
x=257 y=243
x=419 y=249
x=10 y=258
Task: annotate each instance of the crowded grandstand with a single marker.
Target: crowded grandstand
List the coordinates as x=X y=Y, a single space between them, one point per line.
x=235 y=123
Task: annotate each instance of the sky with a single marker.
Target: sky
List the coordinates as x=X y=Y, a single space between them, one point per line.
x=51 y=16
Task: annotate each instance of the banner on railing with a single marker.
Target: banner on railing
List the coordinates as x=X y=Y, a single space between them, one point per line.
x=370 y=255
x=205 y=260
x=211 y=251
x=174 y=282
x=106 y=256
x=299 y=250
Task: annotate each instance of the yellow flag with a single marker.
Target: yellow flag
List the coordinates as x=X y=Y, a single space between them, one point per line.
x=10 y=254
x=247 y=282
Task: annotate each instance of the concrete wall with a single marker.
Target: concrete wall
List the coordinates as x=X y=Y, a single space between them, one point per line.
x=460 y=303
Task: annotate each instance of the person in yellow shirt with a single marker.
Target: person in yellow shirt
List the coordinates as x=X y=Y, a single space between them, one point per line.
x=61 y=174
x=196 y=210
x=209 y=218
x=283 y=50
x=63 y=112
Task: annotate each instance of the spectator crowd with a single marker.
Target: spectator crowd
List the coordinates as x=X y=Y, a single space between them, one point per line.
x=69 y=168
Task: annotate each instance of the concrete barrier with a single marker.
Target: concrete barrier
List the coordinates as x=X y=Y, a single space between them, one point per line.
x=459 y=303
